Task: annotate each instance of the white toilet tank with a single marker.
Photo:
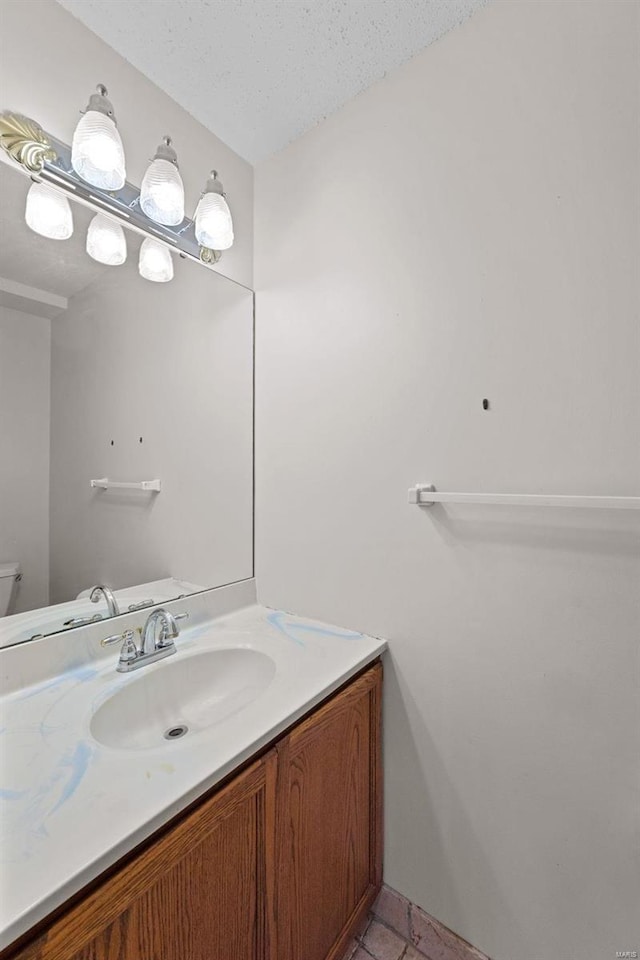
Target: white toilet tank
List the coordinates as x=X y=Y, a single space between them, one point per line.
x=9 y=574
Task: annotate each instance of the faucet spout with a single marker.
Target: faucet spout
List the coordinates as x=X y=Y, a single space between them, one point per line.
x=152 y=639
x=100 y=590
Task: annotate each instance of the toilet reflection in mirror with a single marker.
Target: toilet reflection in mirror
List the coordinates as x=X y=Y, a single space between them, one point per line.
x=10 y=577
x=104 y=374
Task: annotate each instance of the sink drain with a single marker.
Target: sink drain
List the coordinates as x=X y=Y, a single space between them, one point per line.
x=174 y=733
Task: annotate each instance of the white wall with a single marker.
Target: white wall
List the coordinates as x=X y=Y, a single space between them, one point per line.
x=25 y=349
x=171 y=364
x=468 y=228
x=49 y=65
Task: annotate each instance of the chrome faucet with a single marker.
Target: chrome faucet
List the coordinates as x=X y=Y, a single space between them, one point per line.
x=102 y=591
x=158 y=635
x=169 y=630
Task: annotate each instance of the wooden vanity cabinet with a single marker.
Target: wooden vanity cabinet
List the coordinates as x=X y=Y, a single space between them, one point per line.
x=282 y=863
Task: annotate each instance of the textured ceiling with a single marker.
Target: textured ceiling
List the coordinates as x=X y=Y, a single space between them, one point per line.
x=258 y=73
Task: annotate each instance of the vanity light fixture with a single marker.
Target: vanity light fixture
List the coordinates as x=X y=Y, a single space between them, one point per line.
x=155 y=261
x=48 y=212
x=106 y=241
x=97 y=154
x=214 y=226
x=92 y=171
x=162 y=190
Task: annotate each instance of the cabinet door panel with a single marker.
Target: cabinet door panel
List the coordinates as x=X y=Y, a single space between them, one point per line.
x=200 y=892
x=328 y=808
x=204 y=907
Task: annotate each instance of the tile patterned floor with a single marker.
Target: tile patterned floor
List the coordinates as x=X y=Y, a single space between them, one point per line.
x=399 y=930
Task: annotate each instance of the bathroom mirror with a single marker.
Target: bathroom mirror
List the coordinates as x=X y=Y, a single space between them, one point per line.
x=108 y=377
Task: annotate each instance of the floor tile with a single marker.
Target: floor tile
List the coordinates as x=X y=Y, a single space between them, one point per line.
x=361 y=954
x=394 y=910
x=412 y=954
x=382 y=943
x=425 y=938
x=436 y=941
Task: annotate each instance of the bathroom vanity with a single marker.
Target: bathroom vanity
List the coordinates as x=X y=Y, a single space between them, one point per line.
x=277 y=858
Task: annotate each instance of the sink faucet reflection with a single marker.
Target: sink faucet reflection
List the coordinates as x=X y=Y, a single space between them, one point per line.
x=94 y=595
x=103 y=591
x=81 y=621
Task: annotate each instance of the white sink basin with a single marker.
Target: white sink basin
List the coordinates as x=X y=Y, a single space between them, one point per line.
x=193 y=692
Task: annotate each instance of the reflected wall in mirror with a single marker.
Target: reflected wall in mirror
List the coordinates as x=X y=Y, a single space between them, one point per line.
x=104 y=374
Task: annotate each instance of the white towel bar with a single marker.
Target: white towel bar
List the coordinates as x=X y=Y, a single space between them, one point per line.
x=425 y=495
x=104 y=484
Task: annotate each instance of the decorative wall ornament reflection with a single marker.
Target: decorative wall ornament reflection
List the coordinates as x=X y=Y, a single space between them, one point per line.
x=49 y=161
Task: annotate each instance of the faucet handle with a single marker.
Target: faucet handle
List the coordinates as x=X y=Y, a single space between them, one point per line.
x=129 y=650
x=170 y=629
x=140 y=605
x=82 y=621
x=116 y=638
x=127 y=639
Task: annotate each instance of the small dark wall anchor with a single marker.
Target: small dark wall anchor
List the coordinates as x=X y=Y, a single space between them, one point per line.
x=485 y=404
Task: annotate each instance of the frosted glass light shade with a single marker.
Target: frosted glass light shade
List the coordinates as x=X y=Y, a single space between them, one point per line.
x=162 y=193
x=106 y=241
x=155 y=261
x=214 y=226
x=48 y=212
x=97 y=154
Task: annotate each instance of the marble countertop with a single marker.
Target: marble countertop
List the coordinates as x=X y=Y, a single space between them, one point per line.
x=73 y=807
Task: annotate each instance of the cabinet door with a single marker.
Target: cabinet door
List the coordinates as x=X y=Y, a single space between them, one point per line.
x=329 y=823
x=200 y=892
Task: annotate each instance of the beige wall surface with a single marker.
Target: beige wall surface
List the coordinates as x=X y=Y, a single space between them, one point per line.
x=152 y=380
x=468 y=229
x=25 y=366
x=49 y=65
